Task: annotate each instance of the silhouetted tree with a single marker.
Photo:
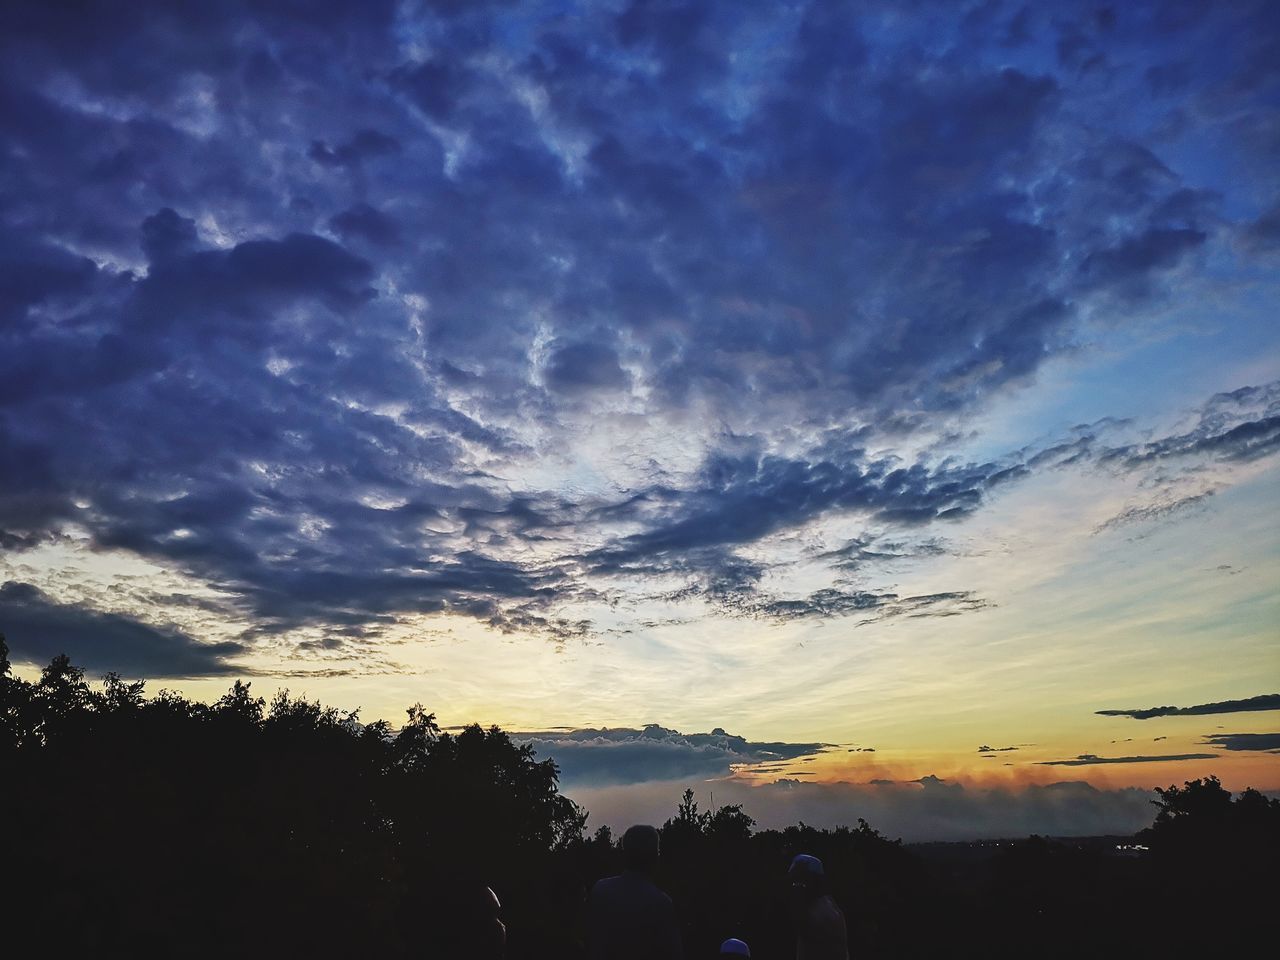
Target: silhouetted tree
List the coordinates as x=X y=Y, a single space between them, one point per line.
x=147 y=824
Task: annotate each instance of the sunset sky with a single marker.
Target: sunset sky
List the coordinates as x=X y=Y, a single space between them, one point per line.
x=892 y=385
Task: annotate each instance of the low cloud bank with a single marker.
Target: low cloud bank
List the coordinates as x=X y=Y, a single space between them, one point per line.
x=625 y=755
x=931 y=809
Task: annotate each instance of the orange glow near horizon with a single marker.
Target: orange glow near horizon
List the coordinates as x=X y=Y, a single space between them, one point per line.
x=1236 y=771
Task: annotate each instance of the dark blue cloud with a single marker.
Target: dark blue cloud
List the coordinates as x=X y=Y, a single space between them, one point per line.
x=32 y=272
x=364 y=144
x=363 y=222
x=38 y=628
x=743 y=497
x=578 y=367
x=166 y=236
x=218 y=293
x=310 y=287
x=1134 y=259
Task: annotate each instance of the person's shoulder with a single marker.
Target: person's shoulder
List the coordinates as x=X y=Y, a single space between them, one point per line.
x=656 y=895
x=829 y=915
x=605 y=884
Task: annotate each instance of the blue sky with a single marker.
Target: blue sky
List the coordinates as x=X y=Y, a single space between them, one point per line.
x=826 y=373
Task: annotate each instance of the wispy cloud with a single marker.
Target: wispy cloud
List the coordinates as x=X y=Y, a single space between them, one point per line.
x=1266 y=701
x=1089 y=759
x=1160 y=509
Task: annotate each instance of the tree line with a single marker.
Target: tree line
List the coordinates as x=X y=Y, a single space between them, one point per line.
x=139 y=824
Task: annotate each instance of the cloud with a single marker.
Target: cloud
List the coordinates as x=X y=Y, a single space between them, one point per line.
x=739 y=499
x=869 y=607
x=214 y=292
x=930 y=809
x=1269 y=742
x=592 y=757
x=363 y=222
x=166 y=235
x=1263 y=234
x=986 y=749
x=1239 y=426
x=870 y=550
x=1162 y=509
x=339 y=359
x=34 y=272
x=582 y=367
x=1266 y=701
x=38 y=628
x=363 y=145
x=1130 y=263
x=1090 y=759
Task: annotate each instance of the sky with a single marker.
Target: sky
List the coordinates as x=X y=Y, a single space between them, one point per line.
x=832 y=407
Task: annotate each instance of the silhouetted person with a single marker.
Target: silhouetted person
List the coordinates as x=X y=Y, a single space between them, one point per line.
x=466 y=922
x=490 y=942
x=627 y=915
x=734 y=948
x=820 y=927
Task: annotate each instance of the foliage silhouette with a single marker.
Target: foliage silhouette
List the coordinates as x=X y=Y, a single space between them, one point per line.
x=144 y=824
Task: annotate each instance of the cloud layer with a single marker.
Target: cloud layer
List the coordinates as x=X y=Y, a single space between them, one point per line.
x=368 y=312
x=932 y=809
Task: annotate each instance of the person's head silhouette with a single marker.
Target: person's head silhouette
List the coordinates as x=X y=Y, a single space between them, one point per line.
x=807 y=877
x=734 y=947
x=640 y=848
